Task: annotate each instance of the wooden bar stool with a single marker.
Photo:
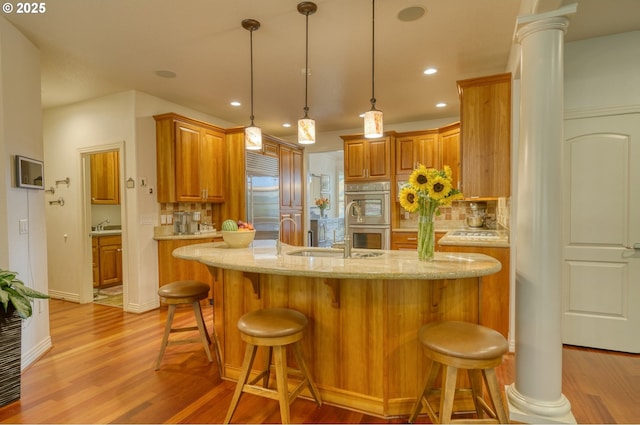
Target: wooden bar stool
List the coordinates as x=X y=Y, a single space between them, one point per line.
x=187 y=292
x=274 y=328
x=462 y=345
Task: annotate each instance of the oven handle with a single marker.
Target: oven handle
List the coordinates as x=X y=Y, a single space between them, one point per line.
x=376 y=192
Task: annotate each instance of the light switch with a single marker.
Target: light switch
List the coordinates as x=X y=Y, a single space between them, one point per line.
x=24 y=226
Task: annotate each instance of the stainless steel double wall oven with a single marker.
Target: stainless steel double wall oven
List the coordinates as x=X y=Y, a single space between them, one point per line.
x=374 y=230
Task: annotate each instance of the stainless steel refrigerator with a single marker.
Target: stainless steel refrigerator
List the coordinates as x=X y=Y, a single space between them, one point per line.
x=263 y=194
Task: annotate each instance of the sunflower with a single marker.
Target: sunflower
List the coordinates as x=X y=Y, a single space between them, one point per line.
x=419 y=178
x=438 y=187
x=447 y=172
x=409 y=199
x=448 y=200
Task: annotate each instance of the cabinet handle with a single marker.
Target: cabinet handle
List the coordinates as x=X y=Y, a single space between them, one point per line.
x=412 y=239
x=119 y=249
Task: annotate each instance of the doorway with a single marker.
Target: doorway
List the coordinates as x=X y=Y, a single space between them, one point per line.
x=103 y=210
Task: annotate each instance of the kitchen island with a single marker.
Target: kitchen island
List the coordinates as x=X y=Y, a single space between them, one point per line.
x=364 y=313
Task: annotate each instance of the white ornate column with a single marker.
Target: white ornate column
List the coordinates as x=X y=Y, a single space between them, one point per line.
x=536 y=396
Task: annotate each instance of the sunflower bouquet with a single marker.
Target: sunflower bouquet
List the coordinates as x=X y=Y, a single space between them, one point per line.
x=427 y=190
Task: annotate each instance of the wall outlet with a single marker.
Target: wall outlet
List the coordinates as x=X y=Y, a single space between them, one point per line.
x=169 y=219
x=163 y=219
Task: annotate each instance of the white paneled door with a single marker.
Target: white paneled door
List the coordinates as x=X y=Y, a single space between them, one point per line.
x=601 y=275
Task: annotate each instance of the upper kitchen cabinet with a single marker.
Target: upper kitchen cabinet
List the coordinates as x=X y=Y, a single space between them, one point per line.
x=433 y=148
x=190 y=160
x=416 y=148
x=485 y=117
x=367 y=159
x=105 y=178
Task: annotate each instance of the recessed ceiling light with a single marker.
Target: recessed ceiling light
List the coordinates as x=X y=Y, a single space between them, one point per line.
x=411 y=13
x=165 y=74
x=235 y=103
x=441 y=105
x=430 y=71
x=287 y=125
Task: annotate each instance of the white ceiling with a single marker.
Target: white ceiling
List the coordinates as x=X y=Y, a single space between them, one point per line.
x=92 y=48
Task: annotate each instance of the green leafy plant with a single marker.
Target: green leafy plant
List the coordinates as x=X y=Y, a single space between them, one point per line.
x=14 y=292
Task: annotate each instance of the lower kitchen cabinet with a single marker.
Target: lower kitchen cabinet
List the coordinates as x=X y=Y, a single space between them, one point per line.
x=408 y=241
x=107 y=260
x=171 y=269
x=494 y=289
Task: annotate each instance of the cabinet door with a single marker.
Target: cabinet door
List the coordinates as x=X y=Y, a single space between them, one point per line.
x=379 y=159
x=485 y=117
x=105 y=177
x=355 y=160
x=290 y=178
x=450 y=149
x=188 y=163
x=212 y=165
x=110 y=263
x=405 y=155
x=291 y=234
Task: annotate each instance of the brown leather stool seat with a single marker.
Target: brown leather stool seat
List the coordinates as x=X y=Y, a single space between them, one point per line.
x=461 y=345
x=274 y=328
x=186 y=292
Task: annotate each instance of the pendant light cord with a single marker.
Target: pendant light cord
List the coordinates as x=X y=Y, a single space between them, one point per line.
x=373 y=55
x=306 y=67
x=251 y=117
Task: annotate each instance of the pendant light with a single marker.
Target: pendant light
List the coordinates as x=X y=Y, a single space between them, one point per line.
x=306 y=125
x=373 y=117
x=252 y=133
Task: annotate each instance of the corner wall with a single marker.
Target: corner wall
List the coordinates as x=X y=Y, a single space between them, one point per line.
x=21 y=134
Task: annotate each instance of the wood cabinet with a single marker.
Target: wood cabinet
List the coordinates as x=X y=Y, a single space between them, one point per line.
x=417 y=148
x=290 y=178
x=433 y=148
x=190 y=160
x=494 y=289
x=291 y=234
x=367 y=159
x=107 y=260
x=408 y=241
x=485 y=137
x=171 y=269
x=291 y=195
x=449 y=144
x=105 y=178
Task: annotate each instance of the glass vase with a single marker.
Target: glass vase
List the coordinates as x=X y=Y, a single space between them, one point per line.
x=426 y=238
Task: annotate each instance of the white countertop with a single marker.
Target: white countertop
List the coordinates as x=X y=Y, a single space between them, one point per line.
x=262 y=258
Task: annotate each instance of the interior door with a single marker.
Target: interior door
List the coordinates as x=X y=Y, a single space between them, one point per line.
x=601 y=275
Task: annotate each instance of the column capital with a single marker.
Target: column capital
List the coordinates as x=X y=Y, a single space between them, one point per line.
x=554 y=20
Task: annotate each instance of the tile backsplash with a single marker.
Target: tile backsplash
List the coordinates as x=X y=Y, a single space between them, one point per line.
x=454 y=216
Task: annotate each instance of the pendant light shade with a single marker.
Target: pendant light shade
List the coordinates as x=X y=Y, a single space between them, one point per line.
x=252 y=133
x=373 y=117
x=306 y=125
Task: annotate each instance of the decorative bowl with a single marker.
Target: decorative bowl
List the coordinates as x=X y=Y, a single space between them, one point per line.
x=238 y=239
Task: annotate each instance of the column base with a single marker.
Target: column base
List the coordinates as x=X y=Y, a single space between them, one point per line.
x=533 y=411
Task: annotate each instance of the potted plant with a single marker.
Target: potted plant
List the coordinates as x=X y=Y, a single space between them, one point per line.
x=15 y=301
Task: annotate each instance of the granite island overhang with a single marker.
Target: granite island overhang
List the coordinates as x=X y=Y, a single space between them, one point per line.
x=364 y=313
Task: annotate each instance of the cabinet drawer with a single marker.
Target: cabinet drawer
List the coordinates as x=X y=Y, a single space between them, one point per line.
x=110 y=240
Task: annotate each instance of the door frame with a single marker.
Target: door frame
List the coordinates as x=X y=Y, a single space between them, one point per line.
x=86 y=290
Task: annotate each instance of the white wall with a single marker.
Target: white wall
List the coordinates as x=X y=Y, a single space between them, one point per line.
x=123 y=118
x=21 y=134
x=602 y=72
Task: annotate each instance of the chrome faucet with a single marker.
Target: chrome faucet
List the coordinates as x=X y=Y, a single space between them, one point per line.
x=359 y=219
x=278 y=242
x=100 y=226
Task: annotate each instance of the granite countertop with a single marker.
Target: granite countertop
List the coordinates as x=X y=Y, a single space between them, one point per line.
x=111 y=232
x=262 y=258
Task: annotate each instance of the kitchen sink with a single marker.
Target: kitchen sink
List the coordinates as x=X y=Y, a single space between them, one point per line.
x=335 y=253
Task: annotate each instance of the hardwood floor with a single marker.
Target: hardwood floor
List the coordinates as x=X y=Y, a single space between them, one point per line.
x=100 y=370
